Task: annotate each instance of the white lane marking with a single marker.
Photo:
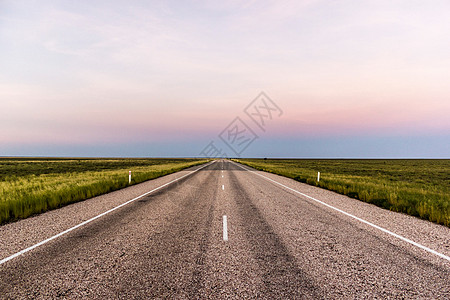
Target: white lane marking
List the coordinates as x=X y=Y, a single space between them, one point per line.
x=223 y=187
x=354 y=217
x=225 y=228
x=222 y=176
x=94 y=218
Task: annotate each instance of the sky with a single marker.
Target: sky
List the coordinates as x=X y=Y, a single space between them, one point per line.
x=363 y=79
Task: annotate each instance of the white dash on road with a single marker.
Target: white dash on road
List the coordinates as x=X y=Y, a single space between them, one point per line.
x=352 y=216
x=223 y=187
x=4 y=260
x=225 y=229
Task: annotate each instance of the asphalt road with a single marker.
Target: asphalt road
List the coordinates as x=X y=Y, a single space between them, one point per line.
x=170 y=244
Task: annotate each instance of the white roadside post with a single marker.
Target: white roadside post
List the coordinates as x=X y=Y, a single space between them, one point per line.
x=129 y=177
x=318 y=176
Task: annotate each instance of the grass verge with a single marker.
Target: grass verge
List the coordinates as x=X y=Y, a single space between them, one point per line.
x=30 y=186
x=416 y=187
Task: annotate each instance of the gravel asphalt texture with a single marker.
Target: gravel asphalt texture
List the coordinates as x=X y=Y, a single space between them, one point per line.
x=169 y=245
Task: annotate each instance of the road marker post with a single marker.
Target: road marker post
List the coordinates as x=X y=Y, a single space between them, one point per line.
x=129 y=177
x=318 y=176
x=4 y=260
x=352 y=216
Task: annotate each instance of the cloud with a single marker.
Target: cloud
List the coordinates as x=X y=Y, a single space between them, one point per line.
x=113 y=70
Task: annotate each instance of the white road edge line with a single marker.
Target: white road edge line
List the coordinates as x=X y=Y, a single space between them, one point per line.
x=94 y=218
x=225 y=229
x=354 y=217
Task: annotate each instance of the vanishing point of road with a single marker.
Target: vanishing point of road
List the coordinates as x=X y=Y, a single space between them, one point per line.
x=223 y=231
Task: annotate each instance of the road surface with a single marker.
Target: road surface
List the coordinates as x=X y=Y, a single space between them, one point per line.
x=224 y=232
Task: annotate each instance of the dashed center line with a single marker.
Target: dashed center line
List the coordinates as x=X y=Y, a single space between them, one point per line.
x=223 y=187
x=225 y=229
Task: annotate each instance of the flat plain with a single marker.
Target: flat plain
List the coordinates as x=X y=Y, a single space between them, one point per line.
x=286 y=240
x=34 y=185
x=418 y=187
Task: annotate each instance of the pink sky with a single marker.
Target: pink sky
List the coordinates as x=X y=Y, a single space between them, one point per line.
x=155 y=72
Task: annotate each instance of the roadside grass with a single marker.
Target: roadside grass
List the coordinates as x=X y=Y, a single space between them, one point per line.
x=30 y=186
x=416 y=187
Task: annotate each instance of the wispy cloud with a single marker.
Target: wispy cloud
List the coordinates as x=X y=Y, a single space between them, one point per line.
x=114 y=70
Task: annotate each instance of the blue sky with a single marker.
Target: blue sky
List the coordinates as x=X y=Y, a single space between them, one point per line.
x=164 y=78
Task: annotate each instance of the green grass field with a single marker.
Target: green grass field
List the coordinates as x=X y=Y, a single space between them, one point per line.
x=33 y=185
x=416 y=187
